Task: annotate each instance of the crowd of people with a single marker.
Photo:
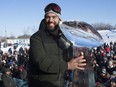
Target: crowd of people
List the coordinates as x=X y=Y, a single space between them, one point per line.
x=104 y=64
x=13 y=65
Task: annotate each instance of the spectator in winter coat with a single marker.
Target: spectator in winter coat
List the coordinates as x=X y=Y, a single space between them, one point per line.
x=7 y=78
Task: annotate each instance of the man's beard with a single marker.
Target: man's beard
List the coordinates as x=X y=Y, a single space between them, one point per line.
x=54 y=29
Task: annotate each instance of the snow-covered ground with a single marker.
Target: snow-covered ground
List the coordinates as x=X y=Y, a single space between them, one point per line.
x=5 y=50
x=108 y=35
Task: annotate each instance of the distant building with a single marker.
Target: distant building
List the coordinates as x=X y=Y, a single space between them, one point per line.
x=20 y=41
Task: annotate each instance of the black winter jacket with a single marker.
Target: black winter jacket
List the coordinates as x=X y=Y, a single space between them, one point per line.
x=47 y=61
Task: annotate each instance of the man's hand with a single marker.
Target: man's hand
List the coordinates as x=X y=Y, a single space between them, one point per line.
x=77 y=63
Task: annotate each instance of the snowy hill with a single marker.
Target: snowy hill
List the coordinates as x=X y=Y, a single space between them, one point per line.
x=108 y=35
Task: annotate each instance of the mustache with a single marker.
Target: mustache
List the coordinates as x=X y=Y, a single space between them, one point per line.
x=50 y=22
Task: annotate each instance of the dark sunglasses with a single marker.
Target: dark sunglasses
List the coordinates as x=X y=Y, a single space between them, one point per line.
x=54 y=7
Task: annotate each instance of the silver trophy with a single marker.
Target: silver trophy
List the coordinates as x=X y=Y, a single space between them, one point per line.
x=83 y=37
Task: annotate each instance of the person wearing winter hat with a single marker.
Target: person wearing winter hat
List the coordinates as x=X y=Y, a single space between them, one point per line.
x=7 y=78
x=49 y=56
x=52 y=16
x=5 y=70
x=53 y=8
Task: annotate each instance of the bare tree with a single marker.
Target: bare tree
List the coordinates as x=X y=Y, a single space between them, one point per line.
x=102 y=26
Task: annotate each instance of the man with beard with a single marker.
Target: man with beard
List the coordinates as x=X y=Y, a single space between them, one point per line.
x=51 y=54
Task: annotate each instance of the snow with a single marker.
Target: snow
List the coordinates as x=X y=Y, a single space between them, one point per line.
x=5 y=50
x=108 y=35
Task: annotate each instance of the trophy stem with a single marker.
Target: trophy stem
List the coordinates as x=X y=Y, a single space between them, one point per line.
x=84 y=78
